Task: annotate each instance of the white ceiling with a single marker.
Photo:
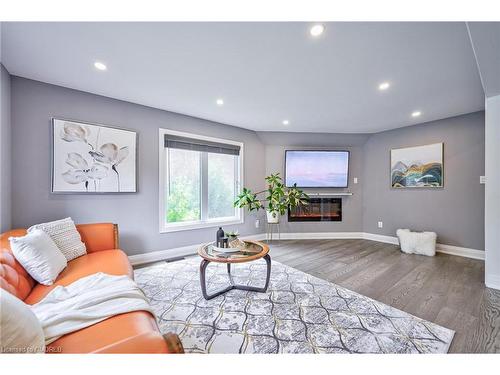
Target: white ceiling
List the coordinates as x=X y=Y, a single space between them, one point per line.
x=265 y=72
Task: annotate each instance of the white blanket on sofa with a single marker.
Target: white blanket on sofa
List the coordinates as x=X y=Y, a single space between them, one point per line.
x=88 y=301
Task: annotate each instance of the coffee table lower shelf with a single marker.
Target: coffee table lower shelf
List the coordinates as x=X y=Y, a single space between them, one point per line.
x=203 y=267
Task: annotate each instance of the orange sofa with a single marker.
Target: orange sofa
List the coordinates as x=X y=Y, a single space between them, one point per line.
x=135 y=332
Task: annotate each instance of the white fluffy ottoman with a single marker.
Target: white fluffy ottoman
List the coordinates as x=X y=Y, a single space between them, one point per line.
x=417 y=242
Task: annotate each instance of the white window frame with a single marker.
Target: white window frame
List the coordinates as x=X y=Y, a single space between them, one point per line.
x=166 y=227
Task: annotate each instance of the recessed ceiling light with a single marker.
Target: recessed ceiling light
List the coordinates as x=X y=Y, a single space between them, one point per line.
x=384 y=86
x=416 y=113
x=286 y=122
x=317 y=30
x=100 y=66
x=219 y=102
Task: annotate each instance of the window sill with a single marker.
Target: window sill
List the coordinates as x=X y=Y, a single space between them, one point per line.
x=200 y=225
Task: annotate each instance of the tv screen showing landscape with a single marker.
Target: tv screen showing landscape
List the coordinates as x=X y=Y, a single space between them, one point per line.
x=317 y=169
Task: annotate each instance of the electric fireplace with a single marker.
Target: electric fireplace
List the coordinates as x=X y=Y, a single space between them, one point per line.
x=318 y=209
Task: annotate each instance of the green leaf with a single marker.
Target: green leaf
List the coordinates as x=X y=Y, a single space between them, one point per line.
x=278 y=196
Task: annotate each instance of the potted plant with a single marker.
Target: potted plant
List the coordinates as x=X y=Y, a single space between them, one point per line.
x=277 y=200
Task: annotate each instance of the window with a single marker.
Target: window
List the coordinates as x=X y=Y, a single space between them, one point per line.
x=199 y=180
x=184 y=186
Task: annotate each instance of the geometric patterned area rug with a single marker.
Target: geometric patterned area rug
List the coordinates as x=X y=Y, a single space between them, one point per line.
x=299 y=313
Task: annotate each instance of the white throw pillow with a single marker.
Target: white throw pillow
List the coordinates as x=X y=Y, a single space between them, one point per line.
x=21 y=331
x=423 y=243
x=39 y=256
x=64 y=234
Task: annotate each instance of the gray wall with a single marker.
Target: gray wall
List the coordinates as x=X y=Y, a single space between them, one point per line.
x=455 y=212
x=5 y=150
x=35 y=103
x=352 y=211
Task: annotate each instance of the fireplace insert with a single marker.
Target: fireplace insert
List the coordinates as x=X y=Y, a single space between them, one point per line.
x=318 y=209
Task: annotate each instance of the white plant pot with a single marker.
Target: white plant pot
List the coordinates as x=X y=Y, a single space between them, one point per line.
x=273 y=217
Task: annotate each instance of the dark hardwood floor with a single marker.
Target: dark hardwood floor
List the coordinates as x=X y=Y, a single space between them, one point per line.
x=444 y=289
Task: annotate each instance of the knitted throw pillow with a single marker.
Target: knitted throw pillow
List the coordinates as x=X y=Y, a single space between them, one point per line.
x=66 y=237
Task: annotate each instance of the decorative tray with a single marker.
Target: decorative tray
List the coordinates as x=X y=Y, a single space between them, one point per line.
x=226 y=249
x=238 y=250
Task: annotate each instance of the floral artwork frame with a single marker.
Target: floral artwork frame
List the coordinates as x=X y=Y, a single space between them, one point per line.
x=90 y=158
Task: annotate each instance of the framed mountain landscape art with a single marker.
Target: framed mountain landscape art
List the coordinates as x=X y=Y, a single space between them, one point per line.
x=91 y=158
x=417 y=167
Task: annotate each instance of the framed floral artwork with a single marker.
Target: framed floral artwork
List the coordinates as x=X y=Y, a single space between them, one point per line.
x=93 y=158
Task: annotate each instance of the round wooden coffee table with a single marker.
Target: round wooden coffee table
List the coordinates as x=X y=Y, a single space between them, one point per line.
x=253 y=250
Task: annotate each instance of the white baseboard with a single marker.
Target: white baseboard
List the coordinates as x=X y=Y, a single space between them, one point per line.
x=460 y=251
x=440 y=248
x=157 y=256
x=381 y=238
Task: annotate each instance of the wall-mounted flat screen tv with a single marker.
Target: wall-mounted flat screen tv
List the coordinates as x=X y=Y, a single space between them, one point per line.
x=317 y=168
